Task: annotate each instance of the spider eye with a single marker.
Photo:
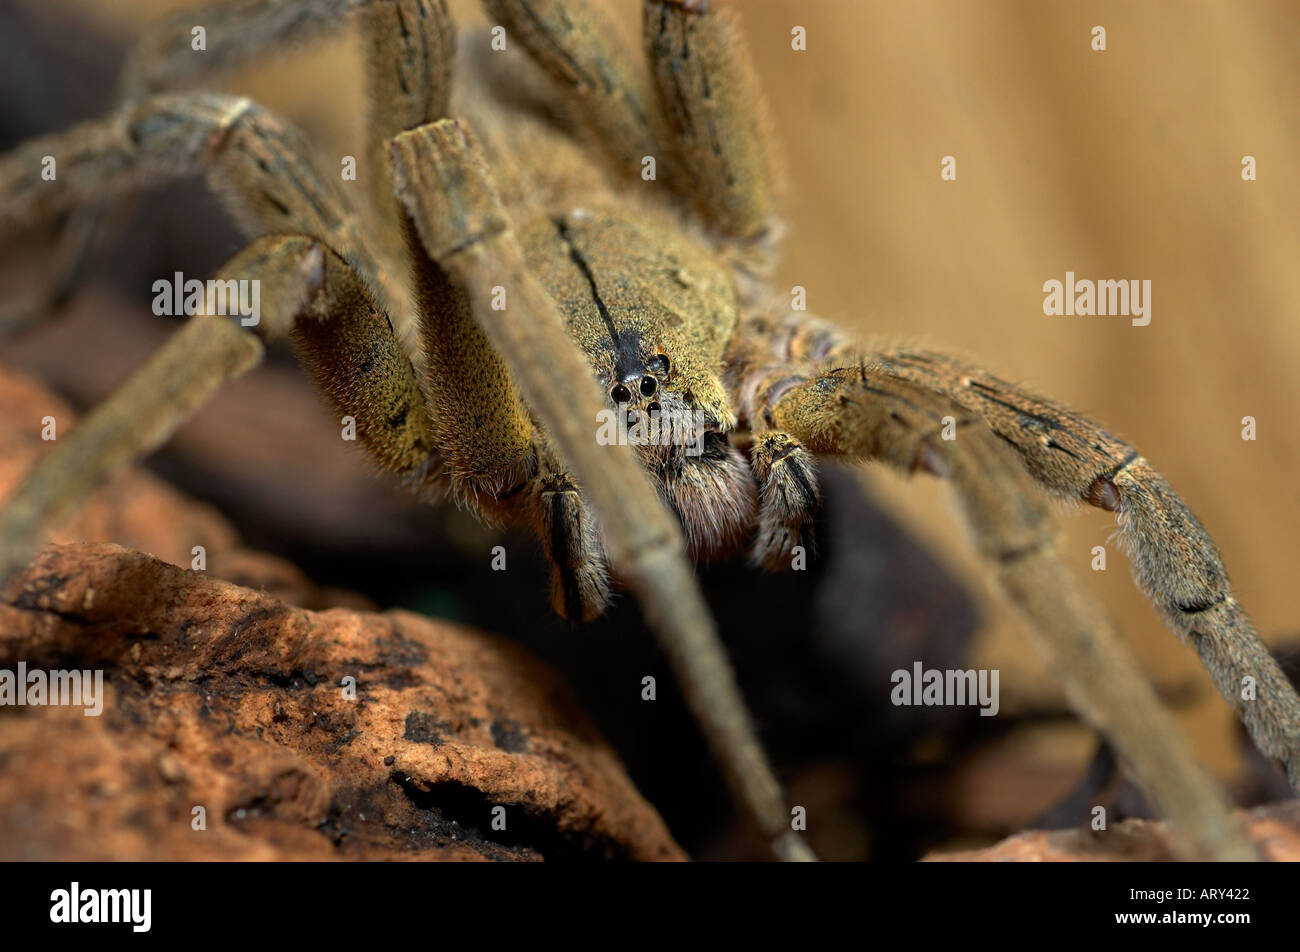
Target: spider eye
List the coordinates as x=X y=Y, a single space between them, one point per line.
x=621 y=394
x=658 y=364
x=648 y=386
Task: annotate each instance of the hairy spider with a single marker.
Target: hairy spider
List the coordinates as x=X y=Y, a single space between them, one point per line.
x=587 y=241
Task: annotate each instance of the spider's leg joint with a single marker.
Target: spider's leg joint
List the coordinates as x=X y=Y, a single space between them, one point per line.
x=929 y=459
x=234 y=110
x=1103 y=492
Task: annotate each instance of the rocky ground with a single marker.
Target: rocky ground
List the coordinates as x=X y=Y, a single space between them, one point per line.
x=229 y=704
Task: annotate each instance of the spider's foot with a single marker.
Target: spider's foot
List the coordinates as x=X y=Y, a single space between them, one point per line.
x=579 y=578
x=788 y=499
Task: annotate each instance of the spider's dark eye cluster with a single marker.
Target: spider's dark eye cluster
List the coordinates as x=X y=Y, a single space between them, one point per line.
x=656 y=369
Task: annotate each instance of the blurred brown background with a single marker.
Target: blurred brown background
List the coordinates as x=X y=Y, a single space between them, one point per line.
x=1117 y=164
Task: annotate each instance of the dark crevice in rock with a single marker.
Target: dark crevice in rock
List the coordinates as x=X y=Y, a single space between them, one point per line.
x=470 y=810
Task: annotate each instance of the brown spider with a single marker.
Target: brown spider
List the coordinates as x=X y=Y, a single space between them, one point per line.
x=574 y=220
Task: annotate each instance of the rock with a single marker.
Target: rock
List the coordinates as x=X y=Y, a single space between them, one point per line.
x=1274 y=828
x=220 y=697
x=228 y=698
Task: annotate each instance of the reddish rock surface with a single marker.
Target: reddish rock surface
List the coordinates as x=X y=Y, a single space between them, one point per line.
x=226 y=698
x=232 y=699
x=1274 y=828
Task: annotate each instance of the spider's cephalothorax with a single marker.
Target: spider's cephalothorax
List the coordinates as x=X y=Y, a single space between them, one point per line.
x=654 y=311
x=586 y=235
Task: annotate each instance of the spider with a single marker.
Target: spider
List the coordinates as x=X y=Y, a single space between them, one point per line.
x=564 y=236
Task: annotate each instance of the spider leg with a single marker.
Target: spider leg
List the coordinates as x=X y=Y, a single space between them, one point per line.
x=308 y=293
x=409 y=48
x=236 y=32
x=256 y=163
x=717 y=120
x=445 y=189
x=567 y=527
x=574 y=43
x=788 y=498
x=77 y=243
x=491 y=462
x=348 y=346
x=1175 y=562
x=495 y=464
x=861 y=412
x=410 y=44
x=139 y=417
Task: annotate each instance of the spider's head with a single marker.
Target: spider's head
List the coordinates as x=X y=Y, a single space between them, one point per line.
x=678 y=422
x=653 y=311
